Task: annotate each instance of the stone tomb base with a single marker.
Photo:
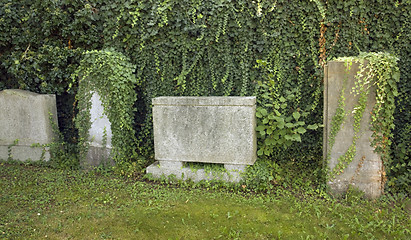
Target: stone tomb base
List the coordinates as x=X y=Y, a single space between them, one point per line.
x=98 y=156
x=160 y=169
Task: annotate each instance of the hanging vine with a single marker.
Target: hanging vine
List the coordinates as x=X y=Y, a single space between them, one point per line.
x=381 y=71
x=159 y=36
x=109 y=74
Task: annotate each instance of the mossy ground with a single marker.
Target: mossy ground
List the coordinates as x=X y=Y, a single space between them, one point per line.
x=45 y=203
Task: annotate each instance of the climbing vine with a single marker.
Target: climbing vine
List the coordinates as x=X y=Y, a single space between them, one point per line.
x=109 y=74
x=345 y=159
x=337 y=120
x=378 y=70
x=209 y=48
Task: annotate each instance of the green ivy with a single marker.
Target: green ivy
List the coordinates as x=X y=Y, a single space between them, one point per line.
x=379 y=70
x=110 y=74
x=48 y=69
x=344 y=160
x=277 y=125
x=210 y=47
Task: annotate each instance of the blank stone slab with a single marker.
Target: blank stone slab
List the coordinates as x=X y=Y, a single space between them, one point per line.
x=366 y=177
x=25 y=116
x=99 y=135
x=203 y=129
x=100 y=125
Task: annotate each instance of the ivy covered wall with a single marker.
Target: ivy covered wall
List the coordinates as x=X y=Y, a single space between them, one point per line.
x=210 y=47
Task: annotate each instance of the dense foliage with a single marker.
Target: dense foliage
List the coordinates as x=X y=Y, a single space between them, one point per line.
x=210 y=47
x=109 y=74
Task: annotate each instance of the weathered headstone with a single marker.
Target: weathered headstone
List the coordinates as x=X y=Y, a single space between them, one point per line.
x=99 y=135
x=25 y=125
x=365 y=172
x=205 y=130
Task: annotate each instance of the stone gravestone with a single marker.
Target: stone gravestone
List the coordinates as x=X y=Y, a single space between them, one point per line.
x=25 y=125
x=365 y=172
x=203 y=130
x=99 y=135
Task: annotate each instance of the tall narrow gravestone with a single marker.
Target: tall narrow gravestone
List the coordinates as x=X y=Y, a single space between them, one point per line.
x=100 y=135
x=25 y=125
x=203 y=130
x=365 y=171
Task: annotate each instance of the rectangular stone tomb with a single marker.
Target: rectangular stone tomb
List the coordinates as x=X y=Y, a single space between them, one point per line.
x=203 y=130
x=25 y=125
x=100 y=135
x=365 y=172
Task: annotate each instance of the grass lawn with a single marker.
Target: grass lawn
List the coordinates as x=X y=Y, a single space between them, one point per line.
x=44 y=203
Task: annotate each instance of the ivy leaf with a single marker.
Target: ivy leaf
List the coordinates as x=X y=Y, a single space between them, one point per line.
x=269 y=141
x=395 y=93
x=289 y=125
x=296 y=137
x=263 y=111
x=312 y=127
x=396 y=76
x=296 y=115
x=301 y=130
x=301 y=123
x=260 y=128
x=279 y=119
